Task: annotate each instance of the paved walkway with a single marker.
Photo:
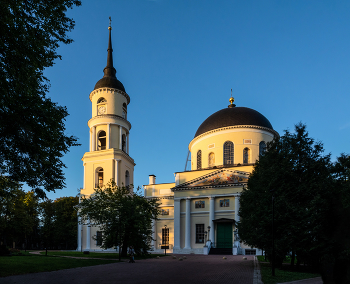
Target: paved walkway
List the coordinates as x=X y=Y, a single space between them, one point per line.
x=316 y=280
x=199 y=269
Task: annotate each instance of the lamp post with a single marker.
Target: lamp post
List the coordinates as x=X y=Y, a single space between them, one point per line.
x=205 y=238
x=209 y=234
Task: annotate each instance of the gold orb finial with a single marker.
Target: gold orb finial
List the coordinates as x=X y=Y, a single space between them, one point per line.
x=231 y=101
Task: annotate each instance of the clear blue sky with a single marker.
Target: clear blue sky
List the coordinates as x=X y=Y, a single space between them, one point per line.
x=179 y=59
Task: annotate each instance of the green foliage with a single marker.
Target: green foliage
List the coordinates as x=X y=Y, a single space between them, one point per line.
x=295 y=172
x=32 y=138
x=59 y=222
x=19 y=215
x=124 y=218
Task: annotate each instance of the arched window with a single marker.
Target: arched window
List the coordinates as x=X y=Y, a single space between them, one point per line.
x=99 y=180
x=211 y=159
x=101 y=100
x=228 y=153
x=125 y=110
x=199 y=159
x=101 y=140
x=246 y=154
x=262 y=148
x=124 y=143
x=127 y=179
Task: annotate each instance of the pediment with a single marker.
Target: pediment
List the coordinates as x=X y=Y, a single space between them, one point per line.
x=219 y=178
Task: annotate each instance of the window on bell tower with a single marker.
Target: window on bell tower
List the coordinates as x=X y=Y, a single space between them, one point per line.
x=123 y=143
x=127 y=179
x=99 y=180
x=101 y=100
x=101 y=140
x=125 y=110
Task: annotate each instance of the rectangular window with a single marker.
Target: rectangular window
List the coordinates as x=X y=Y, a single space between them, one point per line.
x=99 y=238
x=200 y=204
x=199 y=233
x=164 y=212
x=165 y=236
x=225 y=203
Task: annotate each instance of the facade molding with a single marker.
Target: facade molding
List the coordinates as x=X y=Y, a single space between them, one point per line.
x=112 y=90
x=235 y=127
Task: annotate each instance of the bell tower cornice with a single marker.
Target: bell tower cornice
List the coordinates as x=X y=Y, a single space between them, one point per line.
x=109 y=90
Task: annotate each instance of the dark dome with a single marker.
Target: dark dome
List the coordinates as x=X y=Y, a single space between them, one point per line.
x=231 y=117
x=109 y=82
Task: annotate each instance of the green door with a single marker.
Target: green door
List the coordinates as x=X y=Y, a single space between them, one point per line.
x=224 y=235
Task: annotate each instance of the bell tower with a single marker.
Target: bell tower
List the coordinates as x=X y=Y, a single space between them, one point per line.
x=108 y=157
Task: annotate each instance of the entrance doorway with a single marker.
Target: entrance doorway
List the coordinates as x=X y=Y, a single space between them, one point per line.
x=224 y=235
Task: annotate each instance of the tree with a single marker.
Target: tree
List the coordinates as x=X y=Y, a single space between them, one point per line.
x=125 y=218
x=32 y=138
x=336 y=260
x=19 y=219
x=298 y=175
x=66 y=222
x=47 y=210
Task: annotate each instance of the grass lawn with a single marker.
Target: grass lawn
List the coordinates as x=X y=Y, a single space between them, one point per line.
x=285 y=274
x=108 y=255
x=27 y=263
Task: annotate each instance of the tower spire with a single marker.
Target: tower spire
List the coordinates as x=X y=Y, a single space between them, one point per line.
x=109 y=70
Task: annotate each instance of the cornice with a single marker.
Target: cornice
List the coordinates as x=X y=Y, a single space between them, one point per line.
x=112 y=90
x=110 y=116
x=275 y=133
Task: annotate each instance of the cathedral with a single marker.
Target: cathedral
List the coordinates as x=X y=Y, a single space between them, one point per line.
x=200 y=208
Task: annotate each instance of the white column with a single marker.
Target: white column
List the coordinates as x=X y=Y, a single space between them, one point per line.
x=177 y=211
x=211 y=218
x=236 y=208
x=93 y=139
x=88 y=235
x=108 y=135
x=188 y=224
x=90 y=140
x=79 y=234
x=154 y=228
x=237 y=243
x=127 y=145
x=120 y=136
x=116 y=171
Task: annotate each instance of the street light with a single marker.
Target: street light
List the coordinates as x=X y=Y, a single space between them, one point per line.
x=205 y=238
x=208 y=233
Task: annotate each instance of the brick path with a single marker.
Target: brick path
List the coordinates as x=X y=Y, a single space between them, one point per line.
x=199 y=269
